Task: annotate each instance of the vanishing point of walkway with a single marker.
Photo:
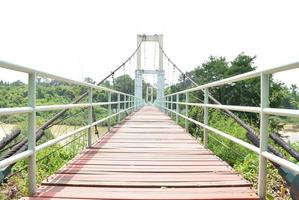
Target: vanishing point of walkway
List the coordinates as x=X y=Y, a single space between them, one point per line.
x=148 y=156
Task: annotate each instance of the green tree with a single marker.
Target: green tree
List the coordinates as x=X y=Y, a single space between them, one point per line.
x=124 y=84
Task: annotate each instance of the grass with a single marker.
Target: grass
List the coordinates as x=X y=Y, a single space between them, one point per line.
x=241 y=159
x=49 y=161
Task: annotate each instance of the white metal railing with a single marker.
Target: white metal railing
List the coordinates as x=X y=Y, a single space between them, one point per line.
x=264 y=110
x=130 y=103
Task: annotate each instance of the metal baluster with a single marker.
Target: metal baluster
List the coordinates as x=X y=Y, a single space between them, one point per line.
x=125 y=105
x=118 y=107
x=135 y=104
x=31 y=134
x=177 y=109
x=206 y=117
x=167 y=105
x=171 y=106
x=186 y=121
x=89 y=142
x=131 y=103
x=109 y=111
x=262 y=179
x=164 y=99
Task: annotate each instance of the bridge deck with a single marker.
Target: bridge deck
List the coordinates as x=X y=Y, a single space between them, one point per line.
x=146 y=157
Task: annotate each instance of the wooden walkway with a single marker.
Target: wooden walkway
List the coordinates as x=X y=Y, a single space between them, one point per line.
x=146 y=157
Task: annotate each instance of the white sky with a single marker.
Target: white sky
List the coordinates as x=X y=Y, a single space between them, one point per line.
x=90 y=38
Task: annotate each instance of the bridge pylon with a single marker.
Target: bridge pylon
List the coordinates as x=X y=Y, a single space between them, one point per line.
x=158 y=72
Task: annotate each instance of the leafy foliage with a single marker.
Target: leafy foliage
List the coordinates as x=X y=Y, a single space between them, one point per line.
x=51 y=92
x=245 y=93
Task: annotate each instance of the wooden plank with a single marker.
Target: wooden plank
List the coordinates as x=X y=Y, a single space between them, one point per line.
x=133 y=155
x=146 y=157
x=96 y=183
x=149 y=136
x=146 y=145
x=149 y=163
x=159 y=176
x=149 y=150
x=157 y=169
x=147 y=179
x=140 y=140
x=153 y=159
x=121 y=193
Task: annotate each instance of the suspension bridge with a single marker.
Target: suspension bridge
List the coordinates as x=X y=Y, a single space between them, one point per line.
x=147 y=154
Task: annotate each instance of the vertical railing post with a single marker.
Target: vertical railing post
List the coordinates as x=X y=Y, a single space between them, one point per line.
x=131 y=103
x=164 y=104
x=109 y=111
x=118 y=107
x=125 y=105
x=31 y=134
x=171 y=106
x=263 y=136
x=133 y=99
x=206 y=117
x=177 y=109
x=166 y=110
x=168 y=105
x=89 y=142
x=146 y=95
x=135 y=104
x=186 y=108
x=152 y=95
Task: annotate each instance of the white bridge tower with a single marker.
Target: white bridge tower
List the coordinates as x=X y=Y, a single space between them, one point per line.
x=159 y=72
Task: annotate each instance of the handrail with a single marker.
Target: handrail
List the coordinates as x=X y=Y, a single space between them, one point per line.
x=251 y=109
x=20 y=110
x=241 y=77
x=130 y=104
x=28 y=70
x=264 y=110
x=251 y=147
x=65 y=136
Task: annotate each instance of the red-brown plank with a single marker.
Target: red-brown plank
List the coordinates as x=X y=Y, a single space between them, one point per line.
x=115 y=193
x=146 y=157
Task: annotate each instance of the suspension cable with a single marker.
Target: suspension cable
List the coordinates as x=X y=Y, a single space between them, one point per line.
x=127 y=60
x=66 y=117
x=6 y=148
x=48 y=155
x=176 y=67
x=124 y=69
x=119 y=67
x=59 y=114
x=249 y=130
x=226 y=146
